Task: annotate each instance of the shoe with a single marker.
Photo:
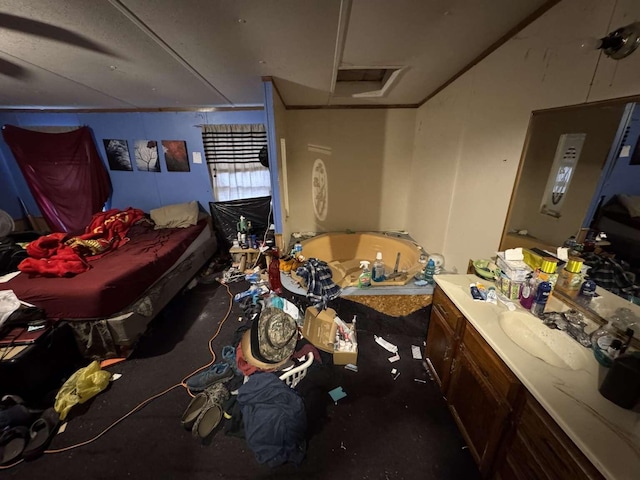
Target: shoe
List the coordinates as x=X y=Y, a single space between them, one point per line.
x=193 y=411
x=40 y=433
x=12 y=443
x=219 y=372
x=15 y=416
x=229 y=356
x=212 y=413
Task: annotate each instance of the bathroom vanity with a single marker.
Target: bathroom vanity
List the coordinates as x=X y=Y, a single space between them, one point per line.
x=525 y=400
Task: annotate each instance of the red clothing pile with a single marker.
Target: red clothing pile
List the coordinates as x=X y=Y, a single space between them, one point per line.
x=58 y=255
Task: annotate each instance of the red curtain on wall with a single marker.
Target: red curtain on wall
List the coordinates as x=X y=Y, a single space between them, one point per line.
x=64 y=172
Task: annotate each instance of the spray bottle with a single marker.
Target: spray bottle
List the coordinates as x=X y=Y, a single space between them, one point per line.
x=364 y=280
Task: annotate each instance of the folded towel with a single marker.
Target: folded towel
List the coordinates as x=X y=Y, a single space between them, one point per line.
x=513 y=254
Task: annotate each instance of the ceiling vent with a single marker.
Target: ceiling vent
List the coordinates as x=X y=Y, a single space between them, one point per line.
x=362 y=82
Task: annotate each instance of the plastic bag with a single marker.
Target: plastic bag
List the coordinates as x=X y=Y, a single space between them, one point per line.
x=86 y=383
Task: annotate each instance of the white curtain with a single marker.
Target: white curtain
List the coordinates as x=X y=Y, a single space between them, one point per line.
x=232 y=157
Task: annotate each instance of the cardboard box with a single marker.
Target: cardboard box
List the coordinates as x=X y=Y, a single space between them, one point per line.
x=516 y=270
x=320 y=329
x=343 y=358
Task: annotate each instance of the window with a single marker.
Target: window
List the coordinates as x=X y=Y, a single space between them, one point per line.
x=562 y=171
x=235 y=156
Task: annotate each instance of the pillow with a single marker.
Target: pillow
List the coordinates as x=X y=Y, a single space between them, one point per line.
x=179 y=215
x=632 y=203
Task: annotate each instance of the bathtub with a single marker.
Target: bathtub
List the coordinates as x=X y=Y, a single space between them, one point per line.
x=344 y=251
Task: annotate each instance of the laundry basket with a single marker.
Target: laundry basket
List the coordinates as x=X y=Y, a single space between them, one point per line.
x=293 y=376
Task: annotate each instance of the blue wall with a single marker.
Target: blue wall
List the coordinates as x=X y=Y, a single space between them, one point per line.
x=143 y=190
x=625 y=178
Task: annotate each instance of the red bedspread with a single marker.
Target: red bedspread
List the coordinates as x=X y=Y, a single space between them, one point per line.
x=114 y=281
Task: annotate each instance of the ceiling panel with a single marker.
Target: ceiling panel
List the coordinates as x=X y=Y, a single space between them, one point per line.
x=131 y=66
x=235 y=43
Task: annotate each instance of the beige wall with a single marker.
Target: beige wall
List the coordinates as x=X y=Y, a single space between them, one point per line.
x=600 y=124
x=367 y=155
x=469 y=137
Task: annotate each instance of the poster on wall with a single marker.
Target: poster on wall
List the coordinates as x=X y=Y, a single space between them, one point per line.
x=175 y=155
x=147 y=155
x=118 y=154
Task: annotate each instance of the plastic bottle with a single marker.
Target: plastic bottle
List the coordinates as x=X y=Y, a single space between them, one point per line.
x=527 y=292
x=364 y=280
x=547 y=272
x=570 y=278
x=429 y=270
x=587 y=291
x=377 y=274
x=274 y=273
x=541 y=297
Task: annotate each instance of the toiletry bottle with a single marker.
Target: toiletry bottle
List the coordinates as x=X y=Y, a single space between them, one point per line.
x=547 y=271
x=587 y=291
x=540 y=301
x=274 y=273
x=527 y=292
x=570 y=278
x=364 y=280
x=429 y=270
x=378 y=269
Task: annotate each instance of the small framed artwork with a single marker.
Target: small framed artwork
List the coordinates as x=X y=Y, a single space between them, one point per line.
x=147 y=155
x=118 y=154
x=175 y=155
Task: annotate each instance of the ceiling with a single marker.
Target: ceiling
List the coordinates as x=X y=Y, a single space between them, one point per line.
x=174 y=54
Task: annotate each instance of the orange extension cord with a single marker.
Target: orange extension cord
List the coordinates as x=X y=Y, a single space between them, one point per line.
x=150 y=399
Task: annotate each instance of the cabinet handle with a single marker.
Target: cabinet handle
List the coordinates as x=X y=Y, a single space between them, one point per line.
x=441 y=309
x=446 y=353
x=453 y=365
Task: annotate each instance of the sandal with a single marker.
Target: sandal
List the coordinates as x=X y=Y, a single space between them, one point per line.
x=41 y=433
x=12 y=443
x=193 y=411
x=212 y=413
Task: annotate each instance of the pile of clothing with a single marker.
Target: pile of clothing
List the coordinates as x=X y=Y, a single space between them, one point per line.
x=245 y=387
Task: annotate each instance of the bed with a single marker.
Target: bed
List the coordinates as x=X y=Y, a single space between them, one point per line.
x=110 y=305
x=619 y=218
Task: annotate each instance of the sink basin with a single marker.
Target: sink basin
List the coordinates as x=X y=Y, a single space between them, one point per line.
x=551 y=346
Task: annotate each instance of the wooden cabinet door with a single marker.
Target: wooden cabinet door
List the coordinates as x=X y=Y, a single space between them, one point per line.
x=439 y=351
x=479 y=411
x=541 y=450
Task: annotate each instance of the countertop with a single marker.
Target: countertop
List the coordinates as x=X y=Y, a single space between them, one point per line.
x=608 y=435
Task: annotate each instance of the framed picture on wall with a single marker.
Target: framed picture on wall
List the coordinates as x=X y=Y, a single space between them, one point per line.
x=147 y=155
x=175 y=155
x=118 y=154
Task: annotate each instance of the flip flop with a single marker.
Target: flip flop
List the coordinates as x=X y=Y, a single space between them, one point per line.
x=41 y=433
x=12 y=444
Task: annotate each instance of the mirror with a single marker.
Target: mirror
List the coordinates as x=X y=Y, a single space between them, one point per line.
x=598 y=123
x=575 y=161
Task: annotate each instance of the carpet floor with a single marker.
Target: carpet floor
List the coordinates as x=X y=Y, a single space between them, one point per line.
x=383 y=429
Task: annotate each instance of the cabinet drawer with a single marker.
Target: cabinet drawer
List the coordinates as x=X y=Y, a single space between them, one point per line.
x=491 y=367
x=446 y=309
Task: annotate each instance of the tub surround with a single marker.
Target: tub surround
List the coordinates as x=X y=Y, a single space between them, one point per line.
x=609 y=436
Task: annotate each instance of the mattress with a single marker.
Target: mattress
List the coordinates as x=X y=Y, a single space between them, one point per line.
x=115 y=280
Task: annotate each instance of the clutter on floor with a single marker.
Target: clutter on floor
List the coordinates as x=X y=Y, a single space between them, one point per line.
x=270 y=385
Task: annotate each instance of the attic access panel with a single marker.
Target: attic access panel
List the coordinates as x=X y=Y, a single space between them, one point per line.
x=365 y=81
